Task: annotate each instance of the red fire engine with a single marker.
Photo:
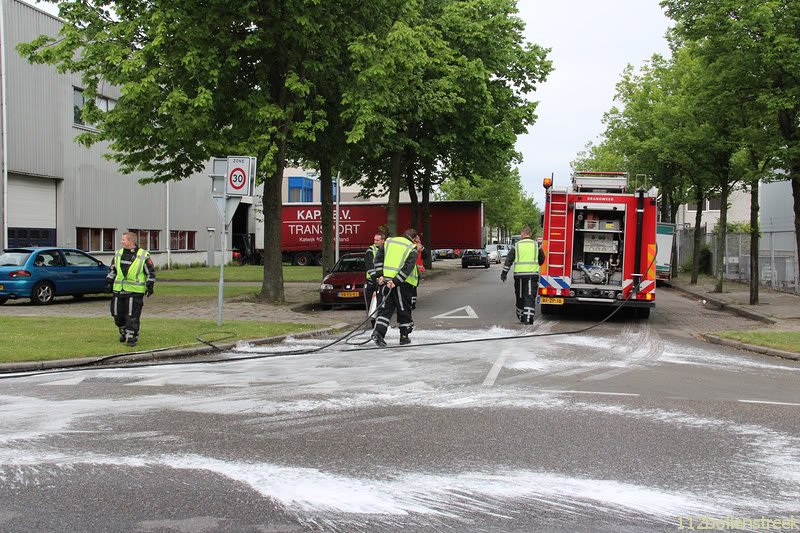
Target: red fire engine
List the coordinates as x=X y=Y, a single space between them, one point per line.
x=600 y=242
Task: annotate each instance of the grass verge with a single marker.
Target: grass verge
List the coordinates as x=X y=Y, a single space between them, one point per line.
x=240 y=273
x=785 y=340
x=46 y=338
x=211 y=290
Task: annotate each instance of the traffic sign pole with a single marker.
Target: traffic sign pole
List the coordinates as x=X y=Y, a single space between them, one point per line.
x=223 y=244
x=232 y=178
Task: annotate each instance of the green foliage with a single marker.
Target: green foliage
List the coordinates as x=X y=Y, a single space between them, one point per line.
x=734 y=227
x=505 y=203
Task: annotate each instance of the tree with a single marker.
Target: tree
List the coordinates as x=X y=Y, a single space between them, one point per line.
x=756 y=44
x=198 y=80
x=448 y=94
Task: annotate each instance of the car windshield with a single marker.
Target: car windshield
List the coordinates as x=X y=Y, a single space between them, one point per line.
x=350 y=264
x=472 y=252
x=14 y=258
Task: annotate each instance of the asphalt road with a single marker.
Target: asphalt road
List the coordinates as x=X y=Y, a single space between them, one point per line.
x=629 y=426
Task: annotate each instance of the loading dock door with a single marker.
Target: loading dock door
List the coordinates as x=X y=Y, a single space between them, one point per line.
x=31 y=211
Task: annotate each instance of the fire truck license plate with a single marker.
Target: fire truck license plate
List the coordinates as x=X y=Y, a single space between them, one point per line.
x=551 y=301
x=351 y=294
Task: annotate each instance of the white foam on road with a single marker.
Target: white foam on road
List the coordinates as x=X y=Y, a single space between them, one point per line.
x=731 y=360
x=497 y=492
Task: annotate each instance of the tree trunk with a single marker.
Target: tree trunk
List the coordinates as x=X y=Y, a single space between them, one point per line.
x=426 y=217
x=796 y=196
x=754 y=236
x=394 y=194
x=673 y=216
x=719 y=270
x=698 y=218
x=787 y=122
x=326 y=195
x=412 y=193
x=272 y=285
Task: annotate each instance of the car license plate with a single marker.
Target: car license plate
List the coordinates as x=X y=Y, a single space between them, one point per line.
x=350 y=294
x=551 y=301
x=1 y=287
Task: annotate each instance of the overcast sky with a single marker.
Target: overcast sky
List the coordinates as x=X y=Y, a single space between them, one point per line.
x=591 y=42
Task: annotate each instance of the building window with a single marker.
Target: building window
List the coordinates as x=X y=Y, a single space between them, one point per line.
x=148 y=238
x=182 y=240
x=95 y=239
x=31 y=237
x=77 y=105
x=712 y=204
x=301 y=189
x=79 y=100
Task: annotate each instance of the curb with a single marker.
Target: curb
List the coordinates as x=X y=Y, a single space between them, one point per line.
x=158 y=355
x=714 y=339
x=746 y=313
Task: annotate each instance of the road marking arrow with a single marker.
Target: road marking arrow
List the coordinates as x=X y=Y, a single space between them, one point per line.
x=470 y=313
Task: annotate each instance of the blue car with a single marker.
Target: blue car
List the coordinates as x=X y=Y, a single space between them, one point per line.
x=41 y=274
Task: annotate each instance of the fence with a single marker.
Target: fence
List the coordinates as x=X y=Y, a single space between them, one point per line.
x=777 y=257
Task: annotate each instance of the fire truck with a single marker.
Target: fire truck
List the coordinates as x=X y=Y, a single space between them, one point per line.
x=600 y=242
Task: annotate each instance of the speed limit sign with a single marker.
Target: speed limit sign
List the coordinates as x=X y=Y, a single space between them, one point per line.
x=239 y=176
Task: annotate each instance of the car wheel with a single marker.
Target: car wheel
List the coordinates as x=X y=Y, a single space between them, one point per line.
x=302 y=259
x=325 y=307
x=42 y=293
x=3 y=299
x=486 y=265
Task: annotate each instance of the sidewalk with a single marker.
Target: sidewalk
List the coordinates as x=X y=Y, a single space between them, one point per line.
x=777 y=311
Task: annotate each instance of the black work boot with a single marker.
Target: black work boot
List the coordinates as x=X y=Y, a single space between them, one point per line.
x=131 y=341
x=404 y=339
x=122 y=335
x=377 y=338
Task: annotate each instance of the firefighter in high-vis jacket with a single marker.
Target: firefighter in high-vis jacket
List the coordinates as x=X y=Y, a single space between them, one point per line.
x=526 y=256
x=373 y=272
x=399 y=275
x=132 y=276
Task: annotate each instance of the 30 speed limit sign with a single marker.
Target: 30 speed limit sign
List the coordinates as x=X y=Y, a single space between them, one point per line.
x=240 y=175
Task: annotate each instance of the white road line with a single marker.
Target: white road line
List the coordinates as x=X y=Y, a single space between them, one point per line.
x=770 y=403
x=498 y=365
x=589 y=392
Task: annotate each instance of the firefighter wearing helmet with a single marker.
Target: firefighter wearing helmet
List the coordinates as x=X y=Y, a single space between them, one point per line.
x=526 y=256
x=400 y=277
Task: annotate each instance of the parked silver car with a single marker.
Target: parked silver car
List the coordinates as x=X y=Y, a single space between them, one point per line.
x=493 y=252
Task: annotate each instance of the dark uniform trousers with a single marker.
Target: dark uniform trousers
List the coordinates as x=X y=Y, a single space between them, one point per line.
x=126 y=308
x=398 y=298
x=525 y=288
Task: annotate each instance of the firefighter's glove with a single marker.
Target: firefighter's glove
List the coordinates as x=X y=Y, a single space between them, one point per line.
x=503 y=276
x=109 y=286
x=149 y=290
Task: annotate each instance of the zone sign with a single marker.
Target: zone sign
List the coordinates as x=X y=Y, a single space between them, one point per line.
x=239 y=176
